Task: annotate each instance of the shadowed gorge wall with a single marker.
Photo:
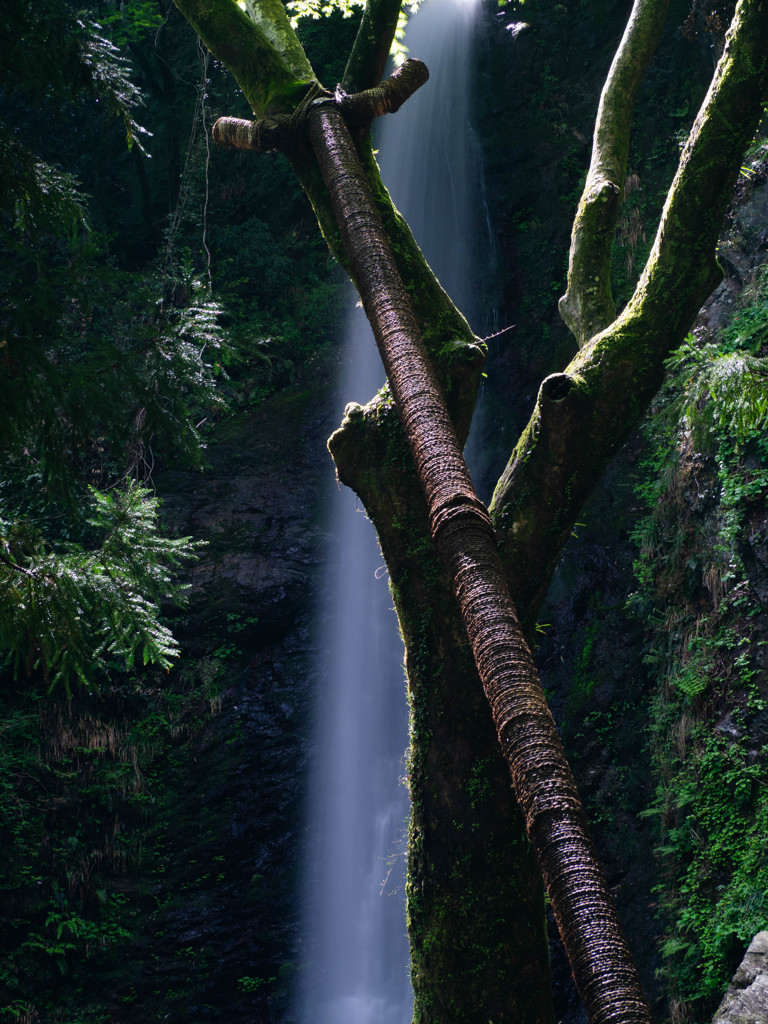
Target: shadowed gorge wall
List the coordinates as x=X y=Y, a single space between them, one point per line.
x=152 y=829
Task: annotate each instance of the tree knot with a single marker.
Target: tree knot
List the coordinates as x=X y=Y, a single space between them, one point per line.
x=556 y=387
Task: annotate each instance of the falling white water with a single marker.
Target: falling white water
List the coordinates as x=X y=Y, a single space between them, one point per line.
x=355 y=937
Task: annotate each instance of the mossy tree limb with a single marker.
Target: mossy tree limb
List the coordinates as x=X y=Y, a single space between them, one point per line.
x=271 y=18
x=269 y=82
x=370 y=52
x=587 y=306
x=584 y=415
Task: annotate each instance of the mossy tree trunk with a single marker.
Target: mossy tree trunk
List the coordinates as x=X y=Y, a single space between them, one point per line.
x=466 y=945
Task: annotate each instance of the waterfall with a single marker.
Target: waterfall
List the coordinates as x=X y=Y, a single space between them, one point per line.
x=356 y=947
x=430 y=158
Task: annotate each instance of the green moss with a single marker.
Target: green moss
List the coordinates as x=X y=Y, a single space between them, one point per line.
x=702 y=633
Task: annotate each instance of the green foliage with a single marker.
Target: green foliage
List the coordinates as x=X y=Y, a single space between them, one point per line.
x=111 y=368
x=35 y=192
x=92 y=356
x=249 y=984
x=725 y=389
x=100 y=372
x=704 y=486
x=49 y=47
x=724 y=385
x=82 y=783
x=132 y=21
x=315 y=9
x=98 y=376
x=69 y=613
x=109 y=80
x=717 y=814
x=321 y=8
x=55 y=926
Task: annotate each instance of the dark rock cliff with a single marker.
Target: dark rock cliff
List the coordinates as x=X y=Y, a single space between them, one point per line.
x=223 y=938
x=207 y=885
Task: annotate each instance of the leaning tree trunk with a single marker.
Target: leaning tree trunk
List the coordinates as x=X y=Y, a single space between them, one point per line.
x=461 y=529
x=462 y=532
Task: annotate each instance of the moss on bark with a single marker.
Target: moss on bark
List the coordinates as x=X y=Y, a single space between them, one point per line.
x=475 y=897
x=587 y=306
x=269 y=83
x=569 y=440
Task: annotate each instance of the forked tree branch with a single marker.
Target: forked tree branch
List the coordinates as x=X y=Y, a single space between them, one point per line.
x=585 y=414
x=278 y=133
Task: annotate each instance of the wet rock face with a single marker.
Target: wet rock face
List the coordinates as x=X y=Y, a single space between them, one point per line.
x=224 y=862
x=746 y=1001
x=221 y=934
x=743 y=245
x=590 y=659
x=259 y=509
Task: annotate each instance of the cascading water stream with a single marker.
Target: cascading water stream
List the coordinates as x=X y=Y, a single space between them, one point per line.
x=355 y=935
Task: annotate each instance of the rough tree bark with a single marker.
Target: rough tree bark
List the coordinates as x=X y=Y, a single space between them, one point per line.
x=592 y=393
x=461 y=530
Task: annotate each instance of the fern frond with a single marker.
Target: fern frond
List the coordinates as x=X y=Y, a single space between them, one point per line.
x=68 y=613
x=726 y=390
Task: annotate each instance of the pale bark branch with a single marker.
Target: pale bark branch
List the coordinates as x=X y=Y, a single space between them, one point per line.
x=584 y=415
x=587 y=306
x=267 y=135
